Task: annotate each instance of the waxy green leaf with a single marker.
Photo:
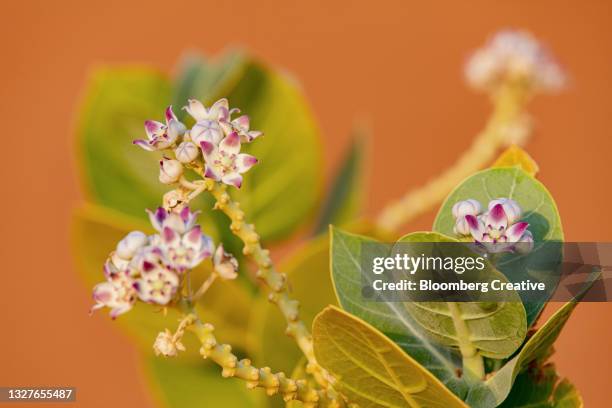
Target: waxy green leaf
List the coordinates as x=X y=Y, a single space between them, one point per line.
x=539 y=210
x=346 y=192
x=371 y=370
x=541 y=387
x=391 y=318
x=495 y=330
x=206 y=78
x=497 y=388
x=116 y=174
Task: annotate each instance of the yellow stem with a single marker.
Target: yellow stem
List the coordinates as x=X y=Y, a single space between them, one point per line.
x=273 y=383
x=508 y=124
x=277 y=282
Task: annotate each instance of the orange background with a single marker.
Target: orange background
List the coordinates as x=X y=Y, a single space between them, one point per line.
x=395 y=64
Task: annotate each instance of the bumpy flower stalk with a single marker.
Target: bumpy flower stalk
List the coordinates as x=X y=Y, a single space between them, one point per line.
x=255 y=377
x=277 y=282
x=506 y=121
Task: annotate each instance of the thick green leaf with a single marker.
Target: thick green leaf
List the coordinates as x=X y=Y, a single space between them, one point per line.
x=539 y=210
x=495 y=331
x=96 y=232
x=116 y=173
x=346 y=192
x=540 y=387
x=371 y=370
x=392 y=318
x=206 y=79
x=188 y=384
x=497 y=388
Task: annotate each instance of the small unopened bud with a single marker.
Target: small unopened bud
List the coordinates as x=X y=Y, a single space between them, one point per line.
x=511 y=208
x=127 y=247
x=225 y=264
x=525 y=244
x=166 y=345
x=467 y=207
x=461 y=226
x=186 y=152
x=170 y=171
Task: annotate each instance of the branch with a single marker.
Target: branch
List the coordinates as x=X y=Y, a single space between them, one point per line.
x=277 y=282
x=272 y=383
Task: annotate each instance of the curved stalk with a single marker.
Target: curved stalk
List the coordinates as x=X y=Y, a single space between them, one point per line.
x=273 y=383
x=508 y=124
x=277 y=282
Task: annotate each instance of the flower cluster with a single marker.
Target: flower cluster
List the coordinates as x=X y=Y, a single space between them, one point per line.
x=215 y=134
x=497 y=230
x=151 y=268
x=514 y=56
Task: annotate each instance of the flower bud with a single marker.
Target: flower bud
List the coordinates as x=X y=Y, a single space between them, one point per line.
x=525 y=244
x=461 y=226
x=166 y=345
x=225 y=264
x=127 y=247
x=511 y=208
x=186 y=152
x=170 y=171
x=467 y=207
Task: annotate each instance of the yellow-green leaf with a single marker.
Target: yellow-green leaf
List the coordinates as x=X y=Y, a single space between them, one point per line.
x=195 y=384
x=495 y=332
x=514 y=156
x=371 y=370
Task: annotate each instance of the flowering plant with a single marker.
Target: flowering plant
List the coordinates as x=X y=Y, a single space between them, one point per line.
x=194 y=264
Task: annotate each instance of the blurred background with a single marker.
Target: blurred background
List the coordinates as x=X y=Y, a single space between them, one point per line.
x=396 y=66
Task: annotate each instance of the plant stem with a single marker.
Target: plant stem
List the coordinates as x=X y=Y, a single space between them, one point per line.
x=273 y=383
x=277 y=282
x=473 y=363
x=508 y=124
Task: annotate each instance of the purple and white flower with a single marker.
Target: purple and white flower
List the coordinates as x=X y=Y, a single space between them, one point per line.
x=128 y=246
x=179 y=221
x=118 y=292
x=183 y=244
x=219 y=111
x=161 y=136
x=511 y=208
x=498 y=230
x=224 y=162
x=241 y=125
x=209 y=122
x=514 y=56
x=158 y=283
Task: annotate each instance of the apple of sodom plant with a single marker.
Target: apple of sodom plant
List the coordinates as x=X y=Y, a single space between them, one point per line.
x=362 y=353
